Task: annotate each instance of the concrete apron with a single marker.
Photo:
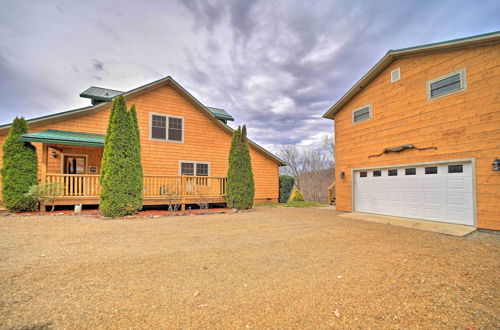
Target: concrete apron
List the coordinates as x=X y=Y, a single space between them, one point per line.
x=436 y=227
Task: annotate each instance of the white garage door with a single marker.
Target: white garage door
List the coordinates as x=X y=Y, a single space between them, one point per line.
x=441 y=192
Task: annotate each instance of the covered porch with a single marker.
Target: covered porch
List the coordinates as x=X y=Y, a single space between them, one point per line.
x=73 y=159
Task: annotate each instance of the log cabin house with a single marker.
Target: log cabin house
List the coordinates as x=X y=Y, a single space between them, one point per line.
x=184 y=147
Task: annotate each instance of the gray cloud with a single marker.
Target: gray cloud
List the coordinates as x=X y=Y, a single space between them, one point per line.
x=276 y=66
x=97 y=65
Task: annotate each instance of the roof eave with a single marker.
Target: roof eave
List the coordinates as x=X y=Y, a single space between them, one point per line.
x=392 y=55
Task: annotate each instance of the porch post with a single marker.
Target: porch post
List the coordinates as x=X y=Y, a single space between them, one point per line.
x=45 y=161
x=183 y=193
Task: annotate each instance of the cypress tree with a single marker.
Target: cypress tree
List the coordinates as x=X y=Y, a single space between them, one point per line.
x=137 y=180
x=20 y=169
x=240 y=182
x=119 y=192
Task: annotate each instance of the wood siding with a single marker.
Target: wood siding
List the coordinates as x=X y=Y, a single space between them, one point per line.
x=204 y=141
x=461 y=125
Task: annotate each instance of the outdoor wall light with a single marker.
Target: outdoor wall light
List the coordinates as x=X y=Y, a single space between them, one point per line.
x=54 y=154
x=342 y=175
x=496 y=165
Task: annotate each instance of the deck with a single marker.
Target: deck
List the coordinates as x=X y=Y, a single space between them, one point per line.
x=157 y=189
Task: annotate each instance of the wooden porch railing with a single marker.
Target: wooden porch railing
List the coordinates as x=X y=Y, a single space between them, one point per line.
x=154 y=186
x=332 y=195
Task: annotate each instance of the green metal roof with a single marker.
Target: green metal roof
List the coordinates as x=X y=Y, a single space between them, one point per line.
x=65 y=137
x=52 y=115
x=220 y=113
x=100 y=94
x=107 y=95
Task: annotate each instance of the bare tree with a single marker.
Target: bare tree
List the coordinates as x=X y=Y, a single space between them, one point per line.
x=294 y=160
x=311 y=167
x=329 y=145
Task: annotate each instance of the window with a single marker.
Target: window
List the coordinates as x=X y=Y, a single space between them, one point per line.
x=175 y=129
x=363 y=174
x=187 y=168
x=158 y=127
x=395 y=75
x=377 y=173
x=451 y=83
x=362 y=114
x=166 y=128
x=455 y=168
x=431 y=170
x=201 y=169
x=410 y=171
x=194 y=168
x=392 y=172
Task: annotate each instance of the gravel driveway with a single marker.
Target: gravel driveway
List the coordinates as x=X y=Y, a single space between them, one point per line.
x=272 y=268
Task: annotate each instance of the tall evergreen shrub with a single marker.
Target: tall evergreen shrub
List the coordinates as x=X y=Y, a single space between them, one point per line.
x=240 y=182
x=121 y=192
x=286 y=186
x=20 y=169
x=137 y=180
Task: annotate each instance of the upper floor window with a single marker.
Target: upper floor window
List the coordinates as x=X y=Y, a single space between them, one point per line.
x=166 y=128
x=362 y=114
x=450 y=83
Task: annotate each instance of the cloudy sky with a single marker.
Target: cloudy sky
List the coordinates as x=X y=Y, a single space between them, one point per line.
x=276 y=66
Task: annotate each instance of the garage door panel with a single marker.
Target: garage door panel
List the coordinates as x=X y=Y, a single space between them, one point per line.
x=456 y=184
x=431 y=184
x=443 y=196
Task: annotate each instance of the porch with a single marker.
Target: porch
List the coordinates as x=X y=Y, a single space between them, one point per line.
x=73 y=159
x=157 y=189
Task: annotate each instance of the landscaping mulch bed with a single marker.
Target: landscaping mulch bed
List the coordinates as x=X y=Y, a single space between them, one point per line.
x=275 y=268
x=141 y=214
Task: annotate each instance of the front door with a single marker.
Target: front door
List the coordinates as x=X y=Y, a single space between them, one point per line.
x=74 y=165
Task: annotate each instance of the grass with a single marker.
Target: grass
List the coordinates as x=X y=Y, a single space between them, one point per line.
x=295 y=204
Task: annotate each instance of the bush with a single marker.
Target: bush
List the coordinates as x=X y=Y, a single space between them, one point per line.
x=286 y=186
x=137 y=175
x=240 y=183
x=20 y=169
x=121 y=191
x=297 y=196
x=46 y=193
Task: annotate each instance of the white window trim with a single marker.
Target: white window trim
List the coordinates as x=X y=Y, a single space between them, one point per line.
x=195 y=163
x=151 y=114
x=463 y=84
x=369 y=106
x=399 y=75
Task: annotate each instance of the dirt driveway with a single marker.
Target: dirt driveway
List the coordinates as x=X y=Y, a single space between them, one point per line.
x=272 y=268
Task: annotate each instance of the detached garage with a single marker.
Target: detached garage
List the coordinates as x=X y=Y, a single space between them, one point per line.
x=438 y=192
x=418 y=136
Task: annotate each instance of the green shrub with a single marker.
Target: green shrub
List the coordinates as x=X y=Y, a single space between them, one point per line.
x=137 y=179
x=240 y=183
x=286 y=186
x=46 y=193
x=297 y=196
x=121 y=191
x=20 y=169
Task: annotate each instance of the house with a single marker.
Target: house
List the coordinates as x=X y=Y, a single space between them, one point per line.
x=184 y=145
x=419 y=135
